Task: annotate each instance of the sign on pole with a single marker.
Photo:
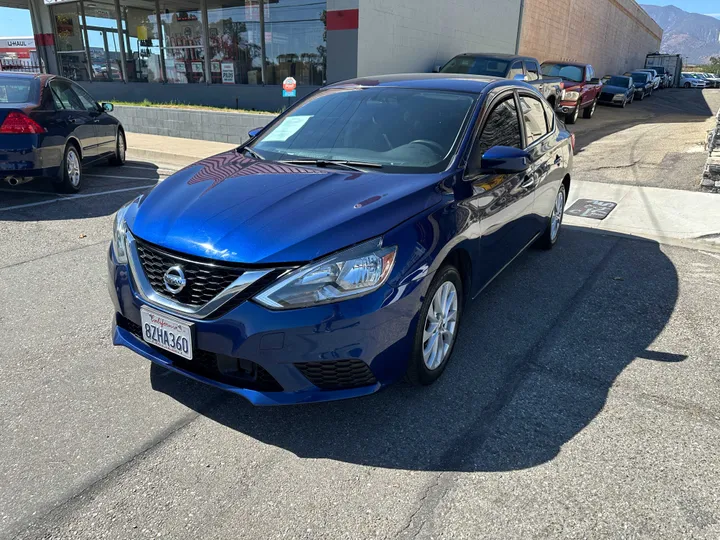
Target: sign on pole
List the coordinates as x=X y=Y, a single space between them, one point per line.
x=289 y=87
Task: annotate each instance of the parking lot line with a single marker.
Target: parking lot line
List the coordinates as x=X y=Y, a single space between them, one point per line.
x=32 y=192
x=73 y=197
x=119 y=177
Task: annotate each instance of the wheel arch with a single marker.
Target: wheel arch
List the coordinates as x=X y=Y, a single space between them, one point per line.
x=461 y=260
x=76 y=143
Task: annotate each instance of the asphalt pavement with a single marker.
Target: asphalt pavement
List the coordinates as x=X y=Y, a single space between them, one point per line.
x=581 y=402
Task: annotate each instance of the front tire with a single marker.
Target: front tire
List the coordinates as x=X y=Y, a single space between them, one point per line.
x=686 y=85
x=120 y=149
x=437 y=328
x=572 y=117
x=589 y=111
x=552 y=232
x=70 y=174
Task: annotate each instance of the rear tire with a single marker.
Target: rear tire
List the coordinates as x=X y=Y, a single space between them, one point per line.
x=70 y=173
x=552 y=232
x=120 y=149
x=418 y=371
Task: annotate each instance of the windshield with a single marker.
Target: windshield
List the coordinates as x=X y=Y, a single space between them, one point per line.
x=15 y=90
x=565 y=71
x=640 y=77
x=623 y=82
x=474 y=65
x=401 y=129
x=660 y=70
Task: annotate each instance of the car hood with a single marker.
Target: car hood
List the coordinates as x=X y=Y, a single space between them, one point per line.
x=614 y=89
x=233 y=208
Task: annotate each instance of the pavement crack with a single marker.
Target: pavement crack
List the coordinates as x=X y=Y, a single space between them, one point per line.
x=35 y=259
x=434 y=493
x=605 y=167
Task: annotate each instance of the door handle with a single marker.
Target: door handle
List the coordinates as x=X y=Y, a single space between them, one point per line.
x=71 y=119
x=558 y=160
x=529 y=181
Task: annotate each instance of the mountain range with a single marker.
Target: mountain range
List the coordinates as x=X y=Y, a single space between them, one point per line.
x=689 y=34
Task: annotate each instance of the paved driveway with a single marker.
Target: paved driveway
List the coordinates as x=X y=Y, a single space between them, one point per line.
x=582 y=402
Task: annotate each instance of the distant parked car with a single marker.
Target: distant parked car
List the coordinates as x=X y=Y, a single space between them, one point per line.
x=712 y=80
x=687 y=80
x=665 y=78
x=51 y=127
x=507 y=66
x=582 y=88
x=656 y=79
x=643 y=83
x=617 y=90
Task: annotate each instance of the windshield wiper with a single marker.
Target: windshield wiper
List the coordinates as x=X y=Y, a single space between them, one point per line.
x=252 y=152
x=359 y=166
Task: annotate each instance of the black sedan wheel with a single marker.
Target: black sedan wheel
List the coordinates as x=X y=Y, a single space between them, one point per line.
x=70 y=174
x=437 y=327
x=120 y=149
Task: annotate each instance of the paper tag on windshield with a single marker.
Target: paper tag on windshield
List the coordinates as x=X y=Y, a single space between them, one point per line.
x=289 y=127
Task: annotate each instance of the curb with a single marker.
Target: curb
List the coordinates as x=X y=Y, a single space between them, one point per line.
x=163 y=156
x=711 y=174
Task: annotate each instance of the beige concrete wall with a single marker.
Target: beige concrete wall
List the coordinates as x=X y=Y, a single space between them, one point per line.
x=612 y=35
x=405 y=36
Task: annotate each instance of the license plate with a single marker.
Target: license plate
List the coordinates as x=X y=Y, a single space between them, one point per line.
x=167 y=332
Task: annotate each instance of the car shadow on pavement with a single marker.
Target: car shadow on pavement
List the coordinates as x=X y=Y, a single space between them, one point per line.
x=105 y=188
x=536 y=357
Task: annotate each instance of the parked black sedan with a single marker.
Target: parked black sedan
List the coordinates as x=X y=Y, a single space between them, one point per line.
x=617 y=90
x=51 y=127
x=643 y=82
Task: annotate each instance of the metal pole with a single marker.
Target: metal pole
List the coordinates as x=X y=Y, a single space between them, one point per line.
x=37 y=30
x=205 y=41
x=262 y=40
x=520 y=25
x=161 y=43
x=87 y=43
x=118 y=19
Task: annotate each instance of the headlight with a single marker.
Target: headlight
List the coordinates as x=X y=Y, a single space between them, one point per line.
x=348 y=274
x=119 y=230
x=619 y=97
x=572 y=96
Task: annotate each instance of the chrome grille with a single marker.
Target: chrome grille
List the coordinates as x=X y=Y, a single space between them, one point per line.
x=204 y=280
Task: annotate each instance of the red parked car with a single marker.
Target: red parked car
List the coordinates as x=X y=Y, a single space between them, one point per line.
x=582 y=88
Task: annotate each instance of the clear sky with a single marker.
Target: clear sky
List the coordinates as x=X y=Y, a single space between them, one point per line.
x=16 y=22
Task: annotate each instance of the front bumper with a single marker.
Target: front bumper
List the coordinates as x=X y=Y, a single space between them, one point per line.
x=566 y=107
x=363 y=344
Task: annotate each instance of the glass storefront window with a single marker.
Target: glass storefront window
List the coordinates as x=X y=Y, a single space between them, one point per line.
x=295 y=41
x=69 y=42
x=183 y=47
x=103 y=42
x=234 y=42
x=142 y=49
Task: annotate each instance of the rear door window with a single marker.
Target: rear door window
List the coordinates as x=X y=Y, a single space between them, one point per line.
x=533 y=116
x=516 y=69
x=15 y=90
x=533 y=70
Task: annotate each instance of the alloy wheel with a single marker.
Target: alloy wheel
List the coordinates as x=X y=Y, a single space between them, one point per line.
x=557 y=215
x=72 y=166
x=440 y=326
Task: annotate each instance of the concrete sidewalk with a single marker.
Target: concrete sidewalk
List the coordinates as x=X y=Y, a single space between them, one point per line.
x=172 y=150
x=656 y=213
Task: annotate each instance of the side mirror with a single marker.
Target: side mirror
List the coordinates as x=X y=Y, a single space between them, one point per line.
x=504 y=160
x=107 y=107
x=254 y=132
x=520 y=77
x=436 y=69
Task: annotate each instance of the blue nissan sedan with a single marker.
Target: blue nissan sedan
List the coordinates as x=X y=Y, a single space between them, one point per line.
x=337 y=250
x=50 y=127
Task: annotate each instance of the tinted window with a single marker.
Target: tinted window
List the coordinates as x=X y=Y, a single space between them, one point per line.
x=403 y=129
x=88 y=103
x=533 y=71
x=13 y=90
x=502 y=128
x=533 y=116
x=64 y=94
x=474 y=65
x=570 y=73
x=549 y=115
x=640 y=77
x=516 y=69
x=623 y=82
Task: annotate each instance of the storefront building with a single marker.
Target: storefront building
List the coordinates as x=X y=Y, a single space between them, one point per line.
x=210 y=51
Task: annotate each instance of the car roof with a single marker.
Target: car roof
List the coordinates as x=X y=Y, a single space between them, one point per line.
x=458 y=82
x=576 y=64
x=497 y=56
